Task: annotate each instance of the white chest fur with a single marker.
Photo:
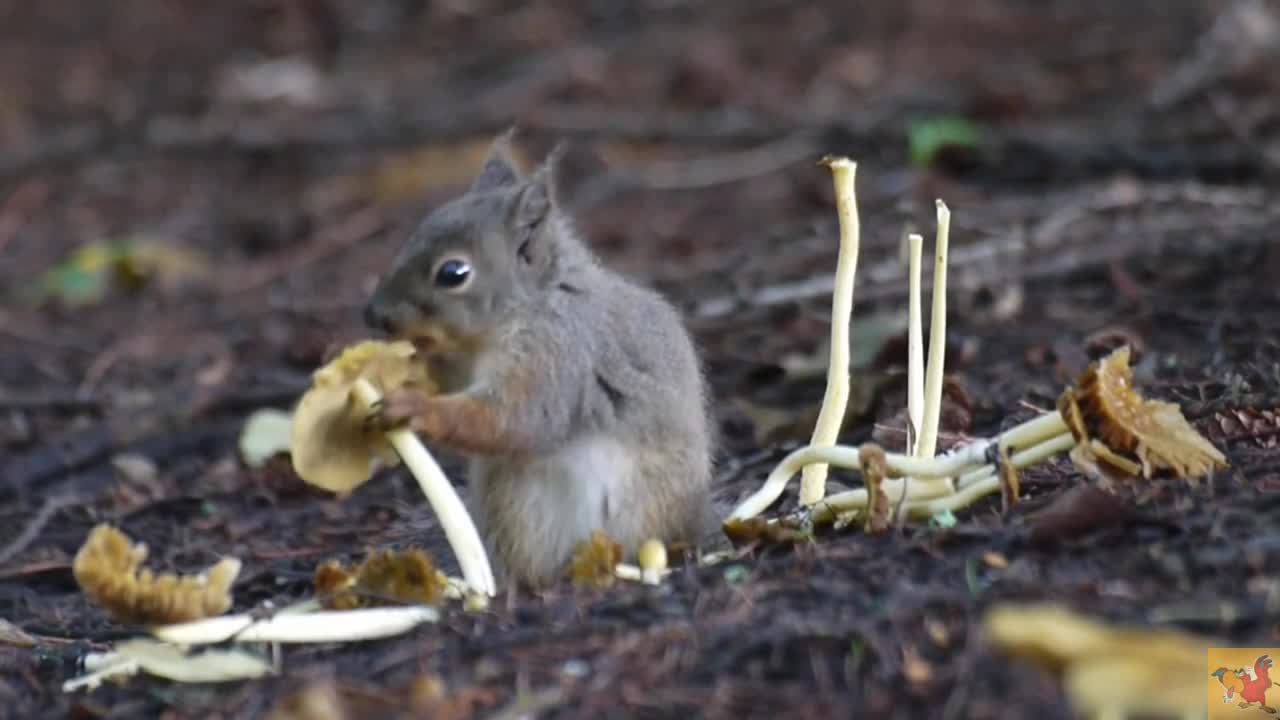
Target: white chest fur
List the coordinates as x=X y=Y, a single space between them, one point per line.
x=536 y=512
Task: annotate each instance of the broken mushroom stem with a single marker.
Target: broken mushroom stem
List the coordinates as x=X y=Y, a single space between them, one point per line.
x=970 y=457
x=981 y=482
x=937 y=340
x=457 y=524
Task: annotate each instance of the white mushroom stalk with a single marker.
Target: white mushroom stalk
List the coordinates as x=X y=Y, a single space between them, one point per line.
x=1049 y=430
x=299 y=627
x=458 y=527
x=836 y=399
x=915 y=346
x=937 y=339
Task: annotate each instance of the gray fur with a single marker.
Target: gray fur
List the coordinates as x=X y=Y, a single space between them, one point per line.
x=614 y=432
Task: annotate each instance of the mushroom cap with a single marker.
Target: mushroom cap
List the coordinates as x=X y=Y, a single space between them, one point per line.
x=331 y=445
x=653 y=555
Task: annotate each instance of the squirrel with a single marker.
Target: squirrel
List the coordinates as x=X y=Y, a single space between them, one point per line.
x=576 y=395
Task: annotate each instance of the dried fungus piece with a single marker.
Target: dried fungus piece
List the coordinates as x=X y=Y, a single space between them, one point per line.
x=874 y=469
x=108 y=568
x=1010 y=484
x=332 y=581
x=594 y=561
x=331 y=444
x=386 y=577
x=761 y=530
x=1154 y=433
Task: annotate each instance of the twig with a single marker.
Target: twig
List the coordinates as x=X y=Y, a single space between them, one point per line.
x=47 y=400
x=727 y=168
x=35 y=525
x=354 y=229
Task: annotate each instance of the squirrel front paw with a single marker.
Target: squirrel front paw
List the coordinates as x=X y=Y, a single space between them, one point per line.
x=396 y=410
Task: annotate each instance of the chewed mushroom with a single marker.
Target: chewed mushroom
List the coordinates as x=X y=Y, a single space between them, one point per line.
x=331 y=445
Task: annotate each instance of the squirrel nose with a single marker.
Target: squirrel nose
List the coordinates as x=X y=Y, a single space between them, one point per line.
x=377 y=316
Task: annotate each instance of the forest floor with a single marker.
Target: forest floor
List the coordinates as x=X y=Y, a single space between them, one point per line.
x=285 y=147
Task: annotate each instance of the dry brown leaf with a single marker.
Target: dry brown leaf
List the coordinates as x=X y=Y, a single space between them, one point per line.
x=595 y=560
x=108 y=568
x=331 y=444
x=386 y=577
x=1261 y=426
x=1153 y=432
x=1107 y=670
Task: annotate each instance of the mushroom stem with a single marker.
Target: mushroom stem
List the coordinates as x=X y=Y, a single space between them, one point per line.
x=1027 y=436
x=813 y=483
x=915 y=345
x=937 y=339
x=973 y=485
x=458 y=527
x=321 y=626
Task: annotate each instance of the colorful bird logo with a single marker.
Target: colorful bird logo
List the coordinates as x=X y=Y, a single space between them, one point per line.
x=1248 y=684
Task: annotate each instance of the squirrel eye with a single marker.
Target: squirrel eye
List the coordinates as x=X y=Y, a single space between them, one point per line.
x=453 y=274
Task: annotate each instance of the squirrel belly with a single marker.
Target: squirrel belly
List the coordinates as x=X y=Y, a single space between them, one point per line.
x=533 y=511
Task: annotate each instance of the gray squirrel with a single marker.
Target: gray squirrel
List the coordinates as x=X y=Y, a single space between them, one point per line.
x=576 y=395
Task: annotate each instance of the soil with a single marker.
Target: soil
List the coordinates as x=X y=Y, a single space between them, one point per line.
x=290 y=145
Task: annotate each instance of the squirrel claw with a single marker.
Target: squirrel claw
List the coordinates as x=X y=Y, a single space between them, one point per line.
x=394 y=411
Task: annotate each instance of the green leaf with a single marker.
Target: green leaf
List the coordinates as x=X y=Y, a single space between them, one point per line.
x=945 y=520
x=735 y=574
x=73 y=285
x=925 y=138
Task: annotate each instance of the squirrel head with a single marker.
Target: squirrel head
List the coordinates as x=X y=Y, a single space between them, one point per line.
x=477 y=258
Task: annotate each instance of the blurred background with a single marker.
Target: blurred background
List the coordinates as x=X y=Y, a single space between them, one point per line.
x=196 y=198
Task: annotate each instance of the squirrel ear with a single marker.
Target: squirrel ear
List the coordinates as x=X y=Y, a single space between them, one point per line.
x=538 y=197
x=499 y=169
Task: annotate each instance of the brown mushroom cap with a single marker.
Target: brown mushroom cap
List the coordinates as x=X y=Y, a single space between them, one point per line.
x=330 y=443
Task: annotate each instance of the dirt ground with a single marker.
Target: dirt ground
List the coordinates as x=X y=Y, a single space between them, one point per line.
x=1122 y=193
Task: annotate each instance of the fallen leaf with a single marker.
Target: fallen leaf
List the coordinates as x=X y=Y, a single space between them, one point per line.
x=91 y=270
x=927 y=138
